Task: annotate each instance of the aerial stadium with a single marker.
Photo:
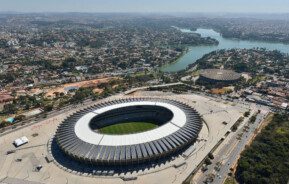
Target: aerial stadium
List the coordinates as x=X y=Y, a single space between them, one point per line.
x=128 y=131
x=219 y=75
x=147 y=137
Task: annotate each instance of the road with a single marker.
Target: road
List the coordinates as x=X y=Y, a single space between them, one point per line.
x=87 y=102
x=229 y=151
x=33 y=120
x=155 y=86
x=238 y=149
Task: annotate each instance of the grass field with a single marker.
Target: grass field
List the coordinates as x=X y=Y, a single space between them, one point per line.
x=127 y=128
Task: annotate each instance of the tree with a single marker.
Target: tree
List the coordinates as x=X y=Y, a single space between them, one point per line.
x=241 y=67
x=208 y=161
x=95 y=96
x=252 y=119
x=122 y=65
x=4 y=124
x=19 y=117
x=81 y=94
x=247 y=113
x=69 y=62
x=9 y=77
x=3 y=43
x=9 y=109
x=48 y=107
x=211 y=156
x=266 y=160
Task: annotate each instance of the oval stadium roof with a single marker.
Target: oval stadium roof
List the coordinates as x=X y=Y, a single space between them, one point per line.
x=76 y=138
x=220 y=74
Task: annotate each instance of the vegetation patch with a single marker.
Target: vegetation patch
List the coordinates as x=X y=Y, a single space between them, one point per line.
x=267 y=159
x=230 y=180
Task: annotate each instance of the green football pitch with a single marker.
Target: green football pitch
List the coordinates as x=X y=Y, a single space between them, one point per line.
x=127 y=128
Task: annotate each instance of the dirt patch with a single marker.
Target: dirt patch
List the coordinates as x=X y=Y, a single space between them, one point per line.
x=221 y=91
x=89 y=83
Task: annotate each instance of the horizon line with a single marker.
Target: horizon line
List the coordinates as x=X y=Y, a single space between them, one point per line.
x=144 y=12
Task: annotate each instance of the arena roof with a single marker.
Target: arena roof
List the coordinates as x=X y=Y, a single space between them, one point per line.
x=220 y=74
x=77 y=139
x=84 y=132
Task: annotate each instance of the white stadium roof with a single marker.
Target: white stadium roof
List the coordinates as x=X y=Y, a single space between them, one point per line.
x=179 y=126
x=86 y=134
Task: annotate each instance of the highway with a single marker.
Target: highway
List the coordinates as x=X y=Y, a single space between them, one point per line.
x=238 y=149
x=228 y=153
x=155 y=86
x=41 y=117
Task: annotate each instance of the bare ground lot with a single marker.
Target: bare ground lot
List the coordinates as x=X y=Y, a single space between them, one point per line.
x=90 y=83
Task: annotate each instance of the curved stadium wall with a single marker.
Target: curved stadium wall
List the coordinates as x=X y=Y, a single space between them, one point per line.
x=178 y=127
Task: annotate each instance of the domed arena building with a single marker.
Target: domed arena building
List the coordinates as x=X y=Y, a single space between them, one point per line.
x=219 y=76
x=128 y=131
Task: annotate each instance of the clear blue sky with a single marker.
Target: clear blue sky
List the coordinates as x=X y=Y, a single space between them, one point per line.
x=259 y=6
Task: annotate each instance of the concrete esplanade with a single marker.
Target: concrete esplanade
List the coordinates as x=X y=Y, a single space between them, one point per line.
x=178 y=126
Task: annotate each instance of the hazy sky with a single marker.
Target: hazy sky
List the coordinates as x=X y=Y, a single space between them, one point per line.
x=263 y=6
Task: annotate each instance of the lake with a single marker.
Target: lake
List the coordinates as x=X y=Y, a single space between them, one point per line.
x=196 y=52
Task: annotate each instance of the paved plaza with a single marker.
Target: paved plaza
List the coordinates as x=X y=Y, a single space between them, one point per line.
x=22 y=164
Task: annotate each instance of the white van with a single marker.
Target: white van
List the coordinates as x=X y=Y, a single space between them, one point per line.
x=20 y=141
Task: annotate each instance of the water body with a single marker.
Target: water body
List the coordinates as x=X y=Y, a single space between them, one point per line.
x=196 y=52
